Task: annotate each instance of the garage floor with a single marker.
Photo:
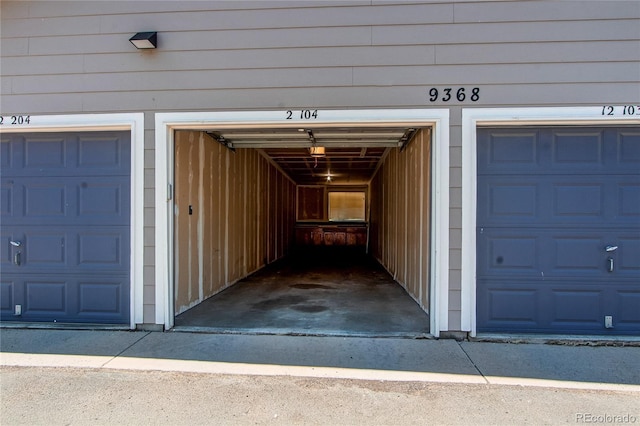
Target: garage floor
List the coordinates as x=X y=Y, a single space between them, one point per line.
x=321 y=292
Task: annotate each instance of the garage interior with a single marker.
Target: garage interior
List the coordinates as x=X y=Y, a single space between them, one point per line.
x=315 y=230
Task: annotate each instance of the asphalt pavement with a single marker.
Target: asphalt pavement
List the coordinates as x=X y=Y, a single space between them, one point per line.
x=102 y=377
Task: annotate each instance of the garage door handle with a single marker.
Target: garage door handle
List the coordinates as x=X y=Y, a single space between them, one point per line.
x=16 y=258
x=610 y=264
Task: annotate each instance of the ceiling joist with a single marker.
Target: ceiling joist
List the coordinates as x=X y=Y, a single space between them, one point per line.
x=221 y=140
x=350 y=154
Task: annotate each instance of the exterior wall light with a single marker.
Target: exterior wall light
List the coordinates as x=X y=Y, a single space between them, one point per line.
x=146 y=40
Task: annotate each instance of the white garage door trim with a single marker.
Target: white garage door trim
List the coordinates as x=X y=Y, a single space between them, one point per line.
x=473 y=118
x=166 y=123
x=133 y=122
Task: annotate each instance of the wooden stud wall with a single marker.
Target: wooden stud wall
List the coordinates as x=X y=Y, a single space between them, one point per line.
x=401 y=216
x=242 y=216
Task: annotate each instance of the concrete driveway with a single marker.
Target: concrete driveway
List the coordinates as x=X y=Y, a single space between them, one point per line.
x=423 y=360
x=119 y=377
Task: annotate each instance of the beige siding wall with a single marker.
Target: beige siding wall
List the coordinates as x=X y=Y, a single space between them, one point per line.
x=401 y=216
x=74 y=57
x=233 y=212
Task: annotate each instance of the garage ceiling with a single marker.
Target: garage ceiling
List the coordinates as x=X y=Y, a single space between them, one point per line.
x=351 y=154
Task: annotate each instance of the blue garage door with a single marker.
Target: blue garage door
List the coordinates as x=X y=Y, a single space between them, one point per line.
x=558 y=230
x=65 y=227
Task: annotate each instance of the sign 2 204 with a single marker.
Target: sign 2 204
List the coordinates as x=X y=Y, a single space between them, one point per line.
x=15 y=119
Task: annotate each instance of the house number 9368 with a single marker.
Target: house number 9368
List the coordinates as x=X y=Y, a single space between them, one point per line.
x=452 y=94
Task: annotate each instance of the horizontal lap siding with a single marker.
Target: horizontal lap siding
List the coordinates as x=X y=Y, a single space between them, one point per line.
x=75 y=57
x=333 y=97
x=72 y=57
x=495 y=74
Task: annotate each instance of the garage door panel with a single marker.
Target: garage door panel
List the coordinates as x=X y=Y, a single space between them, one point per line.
x=102 y=249
x=586 y=151
x=507 y=203
x=556 y=253
x=604 y=151
x=509 y=253
x=102 y=152
x=45 y=152
x=583 y=308
x=46 y=250
x=629 y=149
x=629 y=200
x=75 y=299
x=45 y=297
x=6 y=156
x=628 y=313
x=576 y=254
x=571 y=200
x=6 y=200
x=583 y=254
x=512 y=201
x=513 y=149
x=41 y=154
x=511 y=305
x=609 y=203
x=577 y=149
x=69 y=209
x=6 y=296
x=565 y=200
x=101 y=298
x=543 y=306
x=6 y=256
x=542 y=263
x=506 y=152
x=577 y=306
x=629 y=255
x=86 y=201
x=45 y=199
x=101 y=199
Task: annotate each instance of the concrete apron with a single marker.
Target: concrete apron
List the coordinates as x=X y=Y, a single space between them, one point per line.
x=418 y=360
x=312 y=293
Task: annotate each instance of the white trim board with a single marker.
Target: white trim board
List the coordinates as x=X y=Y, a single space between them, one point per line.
x=472 y=118
x=133 y=122
x=438 y=119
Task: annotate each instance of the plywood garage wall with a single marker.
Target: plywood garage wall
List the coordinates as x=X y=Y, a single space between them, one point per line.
x=400 y=216
x=234 y=213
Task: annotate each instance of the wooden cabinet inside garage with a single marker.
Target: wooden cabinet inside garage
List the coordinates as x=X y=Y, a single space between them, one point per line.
x=331 y=216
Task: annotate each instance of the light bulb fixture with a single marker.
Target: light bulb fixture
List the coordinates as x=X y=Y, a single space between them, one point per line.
x=145 y=40
x=317 y=151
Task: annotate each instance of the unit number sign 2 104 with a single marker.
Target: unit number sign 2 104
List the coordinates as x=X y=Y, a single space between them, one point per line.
x=305 y=114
